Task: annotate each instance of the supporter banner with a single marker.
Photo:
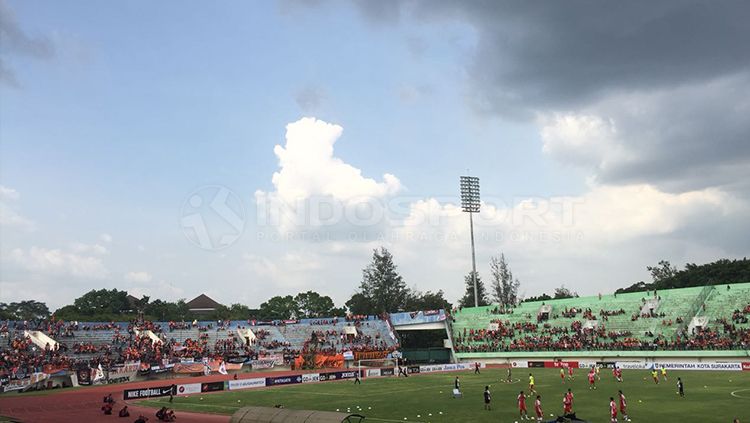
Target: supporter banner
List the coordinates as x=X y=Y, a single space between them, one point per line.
x=52 y=369
x=138 y=393
x=745 y=366
x=212 y=386
x=387 y=372
x=215 y=364
x=699 y=366
x=310 y=377
x=283 y=380
x=373 y=372
x=190 y=388
x=188 y=368
x=348 y=355
x=84 y=376
x=128 y=367
x=258 y=382
x=15 y=385
x=262 y=364
x=268 y=361
x=121 y=377
x=369 y=355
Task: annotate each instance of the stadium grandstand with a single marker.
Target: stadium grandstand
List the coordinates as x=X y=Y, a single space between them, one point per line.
x=710 y=318
x=705 y=321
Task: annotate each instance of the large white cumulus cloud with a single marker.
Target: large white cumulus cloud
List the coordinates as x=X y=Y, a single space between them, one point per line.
x=314 y=188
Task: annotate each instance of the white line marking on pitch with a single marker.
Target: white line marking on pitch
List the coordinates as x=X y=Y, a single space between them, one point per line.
x=734 y=393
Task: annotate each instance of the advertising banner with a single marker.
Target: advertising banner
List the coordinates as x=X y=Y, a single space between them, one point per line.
x=212 y=386
x=389 y=371
x=258 y=382
x=159 y=391
x=412 y=369
x=698 y=366
x=631 y=365
x=283 y=380
x=310 y=377
x=337 y=375
x=373 y=372
x=745 y=366
x=430 y=369
x=536 y=364
x=190 y=388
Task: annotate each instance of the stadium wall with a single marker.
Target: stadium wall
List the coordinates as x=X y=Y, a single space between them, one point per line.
x=677 y=360
x=739 y=355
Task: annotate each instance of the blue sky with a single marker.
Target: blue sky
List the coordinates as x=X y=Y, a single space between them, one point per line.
x=111 y=115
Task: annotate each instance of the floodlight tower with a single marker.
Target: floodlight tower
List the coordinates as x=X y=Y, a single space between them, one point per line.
x=470 y=204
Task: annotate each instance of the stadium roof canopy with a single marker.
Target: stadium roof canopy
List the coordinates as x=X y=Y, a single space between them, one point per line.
x=283 y=415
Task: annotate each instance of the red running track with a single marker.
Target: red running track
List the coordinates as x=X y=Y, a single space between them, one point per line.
x=84 y=404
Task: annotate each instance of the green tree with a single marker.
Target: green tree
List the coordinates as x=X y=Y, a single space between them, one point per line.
x=468 y=299
x=359 y=304
x=279 y=308
x=311 y=304
x=165 y=311
x=427 y=301
x=664 y=270
x=102 y=302
x=241 y=312
x=24 y=310
x=504 y=286
x=563 y=292
x=543 y=297
x=381 y=284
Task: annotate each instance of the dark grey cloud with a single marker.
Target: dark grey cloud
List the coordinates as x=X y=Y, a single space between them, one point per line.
x=672 y=76
x=310 y=98
x=15 y=42
x=681 y=139
x=533 y=55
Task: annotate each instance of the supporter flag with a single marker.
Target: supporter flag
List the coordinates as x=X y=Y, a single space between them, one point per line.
x=222 y=368
x=99 y=374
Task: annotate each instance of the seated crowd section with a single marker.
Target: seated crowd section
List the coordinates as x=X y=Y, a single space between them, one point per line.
x=646 y=321
x=90 y=344
x=700 y=318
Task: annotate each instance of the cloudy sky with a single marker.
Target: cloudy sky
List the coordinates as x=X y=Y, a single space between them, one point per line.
x=250 y=149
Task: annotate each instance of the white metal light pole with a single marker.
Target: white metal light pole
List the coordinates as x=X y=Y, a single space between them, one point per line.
x=470 y=204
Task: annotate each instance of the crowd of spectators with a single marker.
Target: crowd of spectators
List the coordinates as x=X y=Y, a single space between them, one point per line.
x=78 y=346
x=543 y=336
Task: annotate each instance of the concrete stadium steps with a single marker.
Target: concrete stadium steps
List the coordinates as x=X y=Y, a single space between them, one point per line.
x=722 y=302
x=674 y=303
x=181 y=335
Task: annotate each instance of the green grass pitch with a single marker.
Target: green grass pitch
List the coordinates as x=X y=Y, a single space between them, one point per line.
x=709 y=397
